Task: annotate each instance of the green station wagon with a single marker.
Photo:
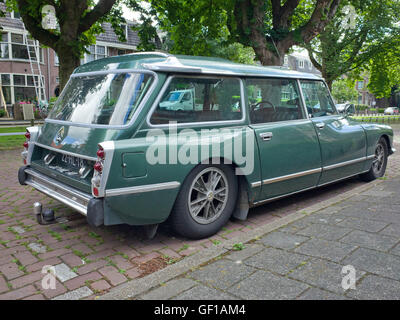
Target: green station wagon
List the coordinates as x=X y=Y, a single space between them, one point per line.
x=144 y=138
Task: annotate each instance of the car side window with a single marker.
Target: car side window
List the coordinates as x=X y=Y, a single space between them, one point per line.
x=189 y=100
x=318 y=99
x=273 y=100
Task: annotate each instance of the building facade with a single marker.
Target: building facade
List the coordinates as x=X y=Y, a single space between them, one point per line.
x=16 y=77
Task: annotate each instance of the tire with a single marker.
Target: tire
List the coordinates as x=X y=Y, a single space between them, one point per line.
x=199 y=211
x=378 y=167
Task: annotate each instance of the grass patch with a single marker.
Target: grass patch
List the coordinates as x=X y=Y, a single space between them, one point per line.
x=11 y=142
x=13 y=129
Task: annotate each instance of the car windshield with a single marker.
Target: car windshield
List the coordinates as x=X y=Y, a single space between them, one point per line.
x=173 y=96
x=109 y=99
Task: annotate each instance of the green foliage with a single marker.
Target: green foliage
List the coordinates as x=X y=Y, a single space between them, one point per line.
x=342 y=92
x=385 y=70
x=340 y=49
x=2 y=113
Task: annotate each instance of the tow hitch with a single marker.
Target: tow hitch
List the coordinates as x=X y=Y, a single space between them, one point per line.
x=43 y=217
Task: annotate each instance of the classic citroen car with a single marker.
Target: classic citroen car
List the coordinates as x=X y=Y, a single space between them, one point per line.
x=112 y=151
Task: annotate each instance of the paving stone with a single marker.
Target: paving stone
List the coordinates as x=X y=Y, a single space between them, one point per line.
x=276 y=260
x=322 y=231
x=321 y=248
x=377 y=193
x=318 y=294
x=51 y=292
x=325 y=219
x=112 y=275
x=11 y=271
x=201 y=292
x=360 y=210
x=370 y=240
x=396 y=250
x=18 y=229
x=363 y=224
x=249 y=250
x=27 y=279
x=80 y=281
x=25 y=258
x=63 y=272
x=379 y=263
x=75 y=294
x=3 y=285
x=322 y=274
x=222 y=273
x=169 y=289
x=264 y=285
x=392 y=230
x=282 y=240
x=19 y=293
x=100 y=286
x=386 y=216
x=376 y=288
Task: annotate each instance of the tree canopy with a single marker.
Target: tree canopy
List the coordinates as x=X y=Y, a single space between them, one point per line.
x=342 y=48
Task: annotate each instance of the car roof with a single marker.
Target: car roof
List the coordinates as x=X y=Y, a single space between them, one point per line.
x=163 y=62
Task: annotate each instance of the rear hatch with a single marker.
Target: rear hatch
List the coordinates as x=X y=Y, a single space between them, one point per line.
x=91 y=109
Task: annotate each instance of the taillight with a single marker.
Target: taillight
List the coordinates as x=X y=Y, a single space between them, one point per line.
x=98 y=167
x=98 y=170
x=26 y=146
x=100 y=153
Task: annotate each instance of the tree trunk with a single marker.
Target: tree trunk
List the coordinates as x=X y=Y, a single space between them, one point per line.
x=68 y=63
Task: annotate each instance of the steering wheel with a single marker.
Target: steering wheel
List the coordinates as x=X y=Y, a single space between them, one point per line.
x=254 y=106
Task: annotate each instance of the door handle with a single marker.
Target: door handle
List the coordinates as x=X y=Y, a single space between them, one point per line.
x=266 y=136
x=320 y=125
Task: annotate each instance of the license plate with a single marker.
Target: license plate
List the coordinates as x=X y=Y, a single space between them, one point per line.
x=72 y=161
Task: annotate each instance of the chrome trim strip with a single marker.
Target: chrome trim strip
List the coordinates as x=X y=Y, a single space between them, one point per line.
x=343 y=164
x=256 y=184
x=340 y=179
x=50 y=187
x=370 y=157
x=142 y=189
x=292 y=176
x=281 y=197
x=66 y=152
x=195 y=124
x=303 y=190
x=138 y=109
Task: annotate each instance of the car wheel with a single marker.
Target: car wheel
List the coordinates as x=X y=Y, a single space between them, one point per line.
x=379 y=164
x=205 y=202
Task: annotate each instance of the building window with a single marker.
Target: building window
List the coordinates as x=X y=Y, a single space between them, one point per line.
x=15 y=15
x=56 y=61
x=20 y=87
x=95 y=52
x=301 y=64
x=12 y=47
x=360 y=85
x=286 y=61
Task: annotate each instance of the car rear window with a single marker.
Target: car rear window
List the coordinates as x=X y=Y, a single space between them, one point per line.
x=108 y=99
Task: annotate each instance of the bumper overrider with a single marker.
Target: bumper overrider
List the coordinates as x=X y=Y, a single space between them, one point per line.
x=82 y=202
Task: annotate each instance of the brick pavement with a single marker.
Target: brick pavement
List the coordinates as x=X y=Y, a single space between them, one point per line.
x=94 y=260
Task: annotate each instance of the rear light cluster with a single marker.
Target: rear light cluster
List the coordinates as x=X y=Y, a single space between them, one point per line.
x=98 y=170
x=26 y=146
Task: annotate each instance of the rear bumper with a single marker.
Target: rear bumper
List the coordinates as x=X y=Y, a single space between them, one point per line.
x=80 y=201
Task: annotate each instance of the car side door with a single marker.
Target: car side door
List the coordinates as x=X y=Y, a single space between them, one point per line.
x=290 y=158
x=342 y=141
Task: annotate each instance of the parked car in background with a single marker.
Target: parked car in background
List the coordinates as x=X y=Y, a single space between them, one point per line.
x=346 y=108
x=118 y=147
x=391 y=111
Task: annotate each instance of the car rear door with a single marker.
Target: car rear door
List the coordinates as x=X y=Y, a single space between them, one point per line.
x=342 y=141
x=290 y=157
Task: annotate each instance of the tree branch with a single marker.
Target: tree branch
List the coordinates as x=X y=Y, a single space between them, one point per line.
x=101 y=9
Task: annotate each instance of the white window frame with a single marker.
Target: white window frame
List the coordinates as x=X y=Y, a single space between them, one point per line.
x=10 y=43
x=301 y=63
x=12 y=85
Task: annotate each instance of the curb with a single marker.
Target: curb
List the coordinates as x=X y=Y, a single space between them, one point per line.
x=133 y=288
